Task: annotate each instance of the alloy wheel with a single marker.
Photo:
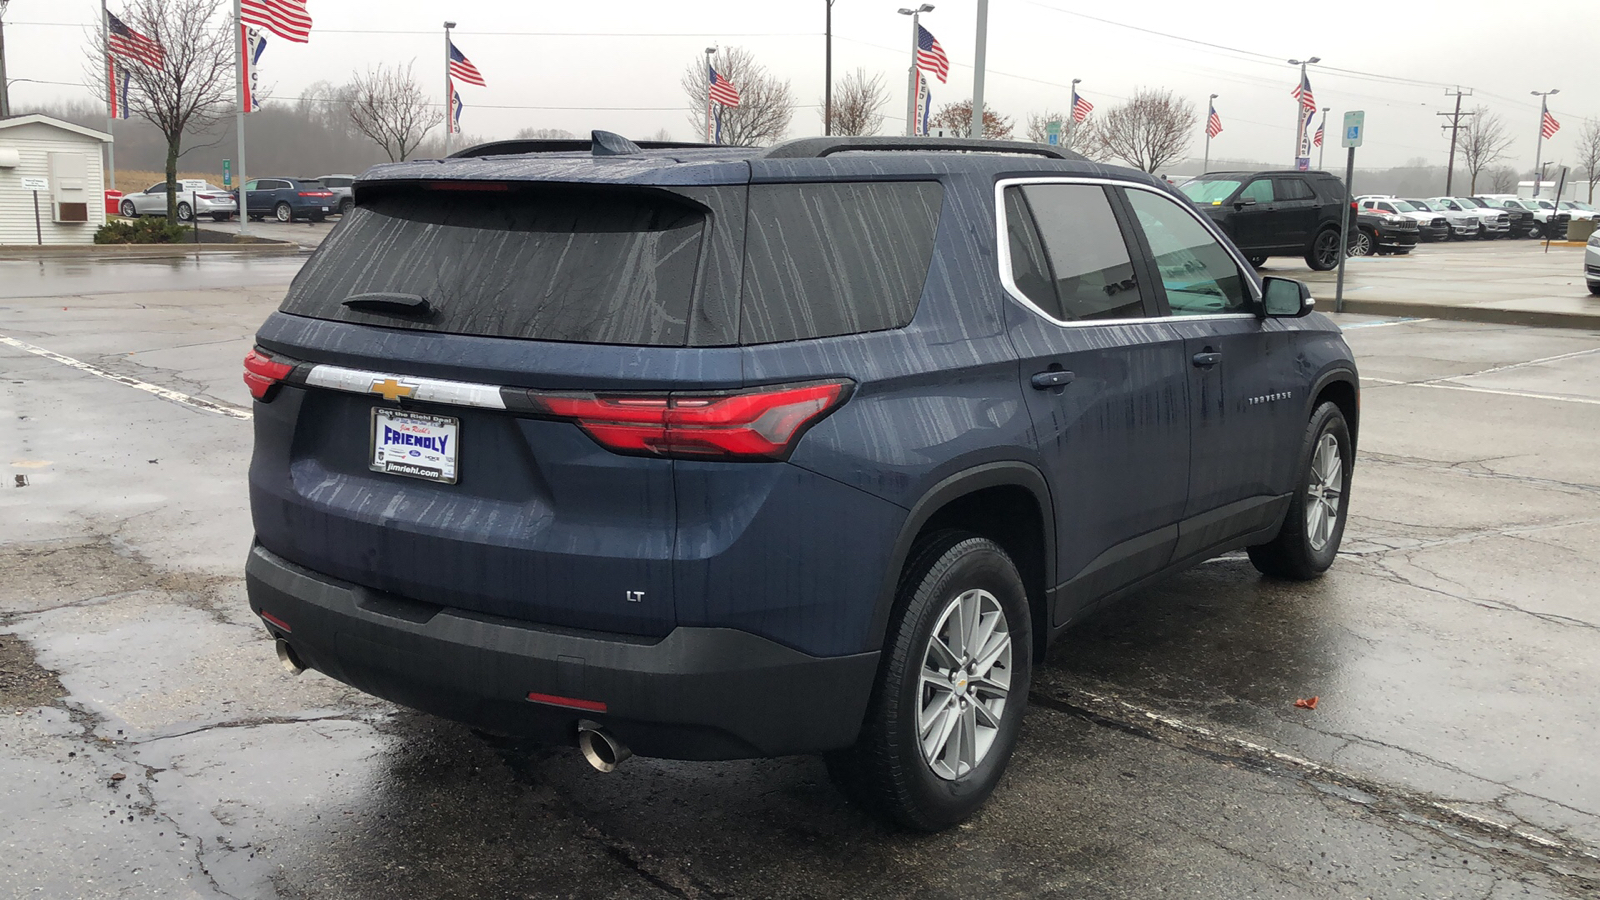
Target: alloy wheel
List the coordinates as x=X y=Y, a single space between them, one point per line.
x=1324 y=492
x=965 y=684
x=1327 y=249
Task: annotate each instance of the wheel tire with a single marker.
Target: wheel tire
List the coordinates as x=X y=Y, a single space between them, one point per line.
x=1293 y=553
x=127 y=210
x=283 y=213
x=1594 y=288
x=221 y=217
x=887 y=770
x=1364 y=243
x=1323 y=254
x=185 y=214
x=256 y=218
x=1256 y=262
x=346 y=205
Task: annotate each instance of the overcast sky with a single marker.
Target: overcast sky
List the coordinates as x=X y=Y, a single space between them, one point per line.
x=616 y=64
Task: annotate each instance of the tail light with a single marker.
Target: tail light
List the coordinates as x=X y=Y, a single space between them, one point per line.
x=262 y=373
x=316 y=193
x=758 y=424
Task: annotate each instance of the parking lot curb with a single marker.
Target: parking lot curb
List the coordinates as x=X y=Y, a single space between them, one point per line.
x=1487 y=314
x=142 y=251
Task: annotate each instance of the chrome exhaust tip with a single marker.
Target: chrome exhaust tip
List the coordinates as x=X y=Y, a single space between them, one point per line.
x=286 y=658
x=600 y=749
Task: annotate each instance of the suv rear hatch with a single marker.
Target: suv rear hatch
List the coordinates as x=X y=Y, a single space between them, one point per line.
x=409 y=342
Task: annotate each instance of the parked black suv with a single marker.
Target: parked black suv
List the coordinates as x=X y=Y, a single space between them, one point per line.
x=1384 y=232
x=1287 y=213
x=711 y=453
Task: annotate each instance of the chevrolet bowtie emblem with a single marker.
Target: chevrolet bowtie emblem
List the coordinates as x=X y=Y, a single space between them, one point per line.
x=391 y=389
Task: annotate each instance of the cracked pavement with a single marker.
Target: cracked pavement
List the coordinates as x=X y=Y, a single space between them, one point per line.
x=151 y=746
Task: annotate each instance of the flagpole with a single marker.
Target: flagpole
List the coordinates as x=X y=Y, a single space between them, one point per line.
x=1322 y=152
x=1538 y=152
x=238 y=103
x=111 y=145
x=911 y=78
x=1072 y=115
x=1211 y=110
x=711 y=52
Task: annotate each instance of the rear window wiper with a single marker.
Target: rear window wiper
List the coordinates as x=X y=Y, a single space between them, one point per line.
x=389 y=302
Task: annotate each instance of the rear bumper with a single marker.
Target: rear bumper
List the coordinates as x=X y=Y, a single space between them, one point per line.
x=698 y=693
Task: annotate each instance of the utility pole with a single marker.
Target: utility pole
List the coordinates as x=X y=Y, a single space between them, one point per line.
x=827 y=70
x=5 y=87
x=1455 y=128
x=1544 y=110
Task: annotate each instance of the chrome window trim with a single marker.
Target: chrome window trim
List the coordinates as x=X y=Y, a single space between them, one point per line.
x=1003 y=253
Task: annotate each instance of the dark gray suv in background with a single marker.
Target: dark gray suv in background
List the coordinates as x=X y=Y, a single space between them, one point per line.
x=711 y=453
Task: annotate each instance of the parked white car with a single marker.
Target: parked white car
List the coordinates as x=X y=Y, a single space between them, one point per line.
x=1496 y=224
x=1431 y=226
x=1579 y=210
x=1544 y=211
x=152 y=201
x=1463 y=224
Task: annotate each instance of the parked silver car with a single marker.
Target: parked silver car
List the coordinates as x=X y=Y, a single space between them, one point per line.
x=1496 y=224
x=343 y=197
x=1591 y=263
x=152 y=201
x=1463 y=224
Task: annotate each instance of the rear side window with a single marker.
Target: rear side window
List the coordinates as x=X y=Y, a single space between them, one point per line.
x=1087 y=271
x=590 y=266
x=835 y=258
x=1295 y=189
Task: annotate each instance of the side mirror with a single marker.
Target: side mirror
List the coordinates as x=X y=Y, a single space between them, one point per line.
x=1242 y=202
x=1285 y=298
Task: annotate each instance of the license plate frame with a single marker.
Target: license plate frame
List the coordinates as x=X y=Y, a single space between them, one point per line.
x=426 y=457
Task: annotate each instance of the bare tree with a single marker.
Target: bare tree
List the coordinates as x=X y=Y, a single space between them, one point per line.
x=856 y=101
x=387 y=105
x=1502 y=179
x=662 y=135
x=1079 y=137
x=766 y=105
x=191 y=90
x=1483 y=143
x=958 y=118
x=1150 y=130
x=544 y=134
x=1588 y=151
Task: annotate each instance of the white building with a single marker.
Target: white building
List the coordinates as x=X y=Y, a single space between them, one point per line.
x=67 y=158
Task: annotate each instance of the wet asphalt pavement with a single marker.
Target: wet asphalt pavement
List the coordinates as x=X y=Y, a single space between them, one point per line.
x=151 y=746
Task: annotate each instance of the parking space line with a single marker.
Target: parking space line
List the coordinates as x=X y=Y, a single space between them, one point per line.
x=1385 y=324
x=1531 y=395
x=221 y=409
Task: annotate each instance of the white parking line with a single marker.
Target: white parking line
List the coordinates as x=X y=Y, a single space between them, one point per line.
x=221 y=409
x=1532 y=395
x=1385 y=324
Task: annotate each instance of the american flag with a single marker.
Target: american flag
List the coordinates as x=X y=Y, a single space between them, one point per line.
x=1550 y=126
x=129 y=44
x=1080 y=107
x=462 y=68
x=287 y=19
x=723 y=91
x=1316 y=140
x=1302 y=92
x=1213 y=124
x=930 y=56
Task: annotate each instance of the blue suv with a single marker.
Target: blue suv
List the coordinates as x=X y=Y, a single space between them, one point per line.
x=712 y=453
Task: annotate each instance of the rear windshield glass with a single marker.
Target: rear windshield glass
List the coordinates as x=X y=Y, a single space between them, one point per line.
x=590 y=266
x=835 y=258
x=1209 y=190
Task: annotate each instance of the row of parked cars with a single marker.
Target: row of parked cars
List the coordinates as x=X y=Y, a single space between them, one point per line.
x=1484 y=216
x=284 y=199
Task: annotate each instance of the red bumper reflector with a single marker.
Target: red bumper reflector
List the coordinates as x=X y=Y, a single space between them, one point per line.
x=277 y=621
x=568 y=702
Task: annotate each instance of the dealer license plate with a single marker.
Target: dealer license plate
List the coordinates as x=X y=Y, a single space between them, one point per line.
x=416 y=445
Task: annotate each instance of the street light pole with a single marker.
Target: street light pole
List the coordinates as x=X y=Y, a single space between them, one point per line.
x=976 y=129
x=1538 y=152
x=1302 y=115
x=827 y=70
x=5 y=86
x=911 y=77
x=1211 y=108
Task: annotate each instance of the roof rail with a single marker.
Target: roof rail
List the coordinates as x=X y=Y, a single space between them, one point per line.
x=517 y=148
x=817 y=147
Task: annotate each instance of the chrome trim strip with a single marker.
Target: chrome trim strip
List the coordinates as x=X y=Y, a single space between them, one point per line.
x=1003 y=253
x=427 y=390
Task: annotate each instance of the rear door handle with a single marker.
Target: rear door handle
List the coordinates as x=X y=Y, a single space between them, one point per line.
x=1207 y=359
x=1053 y=379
